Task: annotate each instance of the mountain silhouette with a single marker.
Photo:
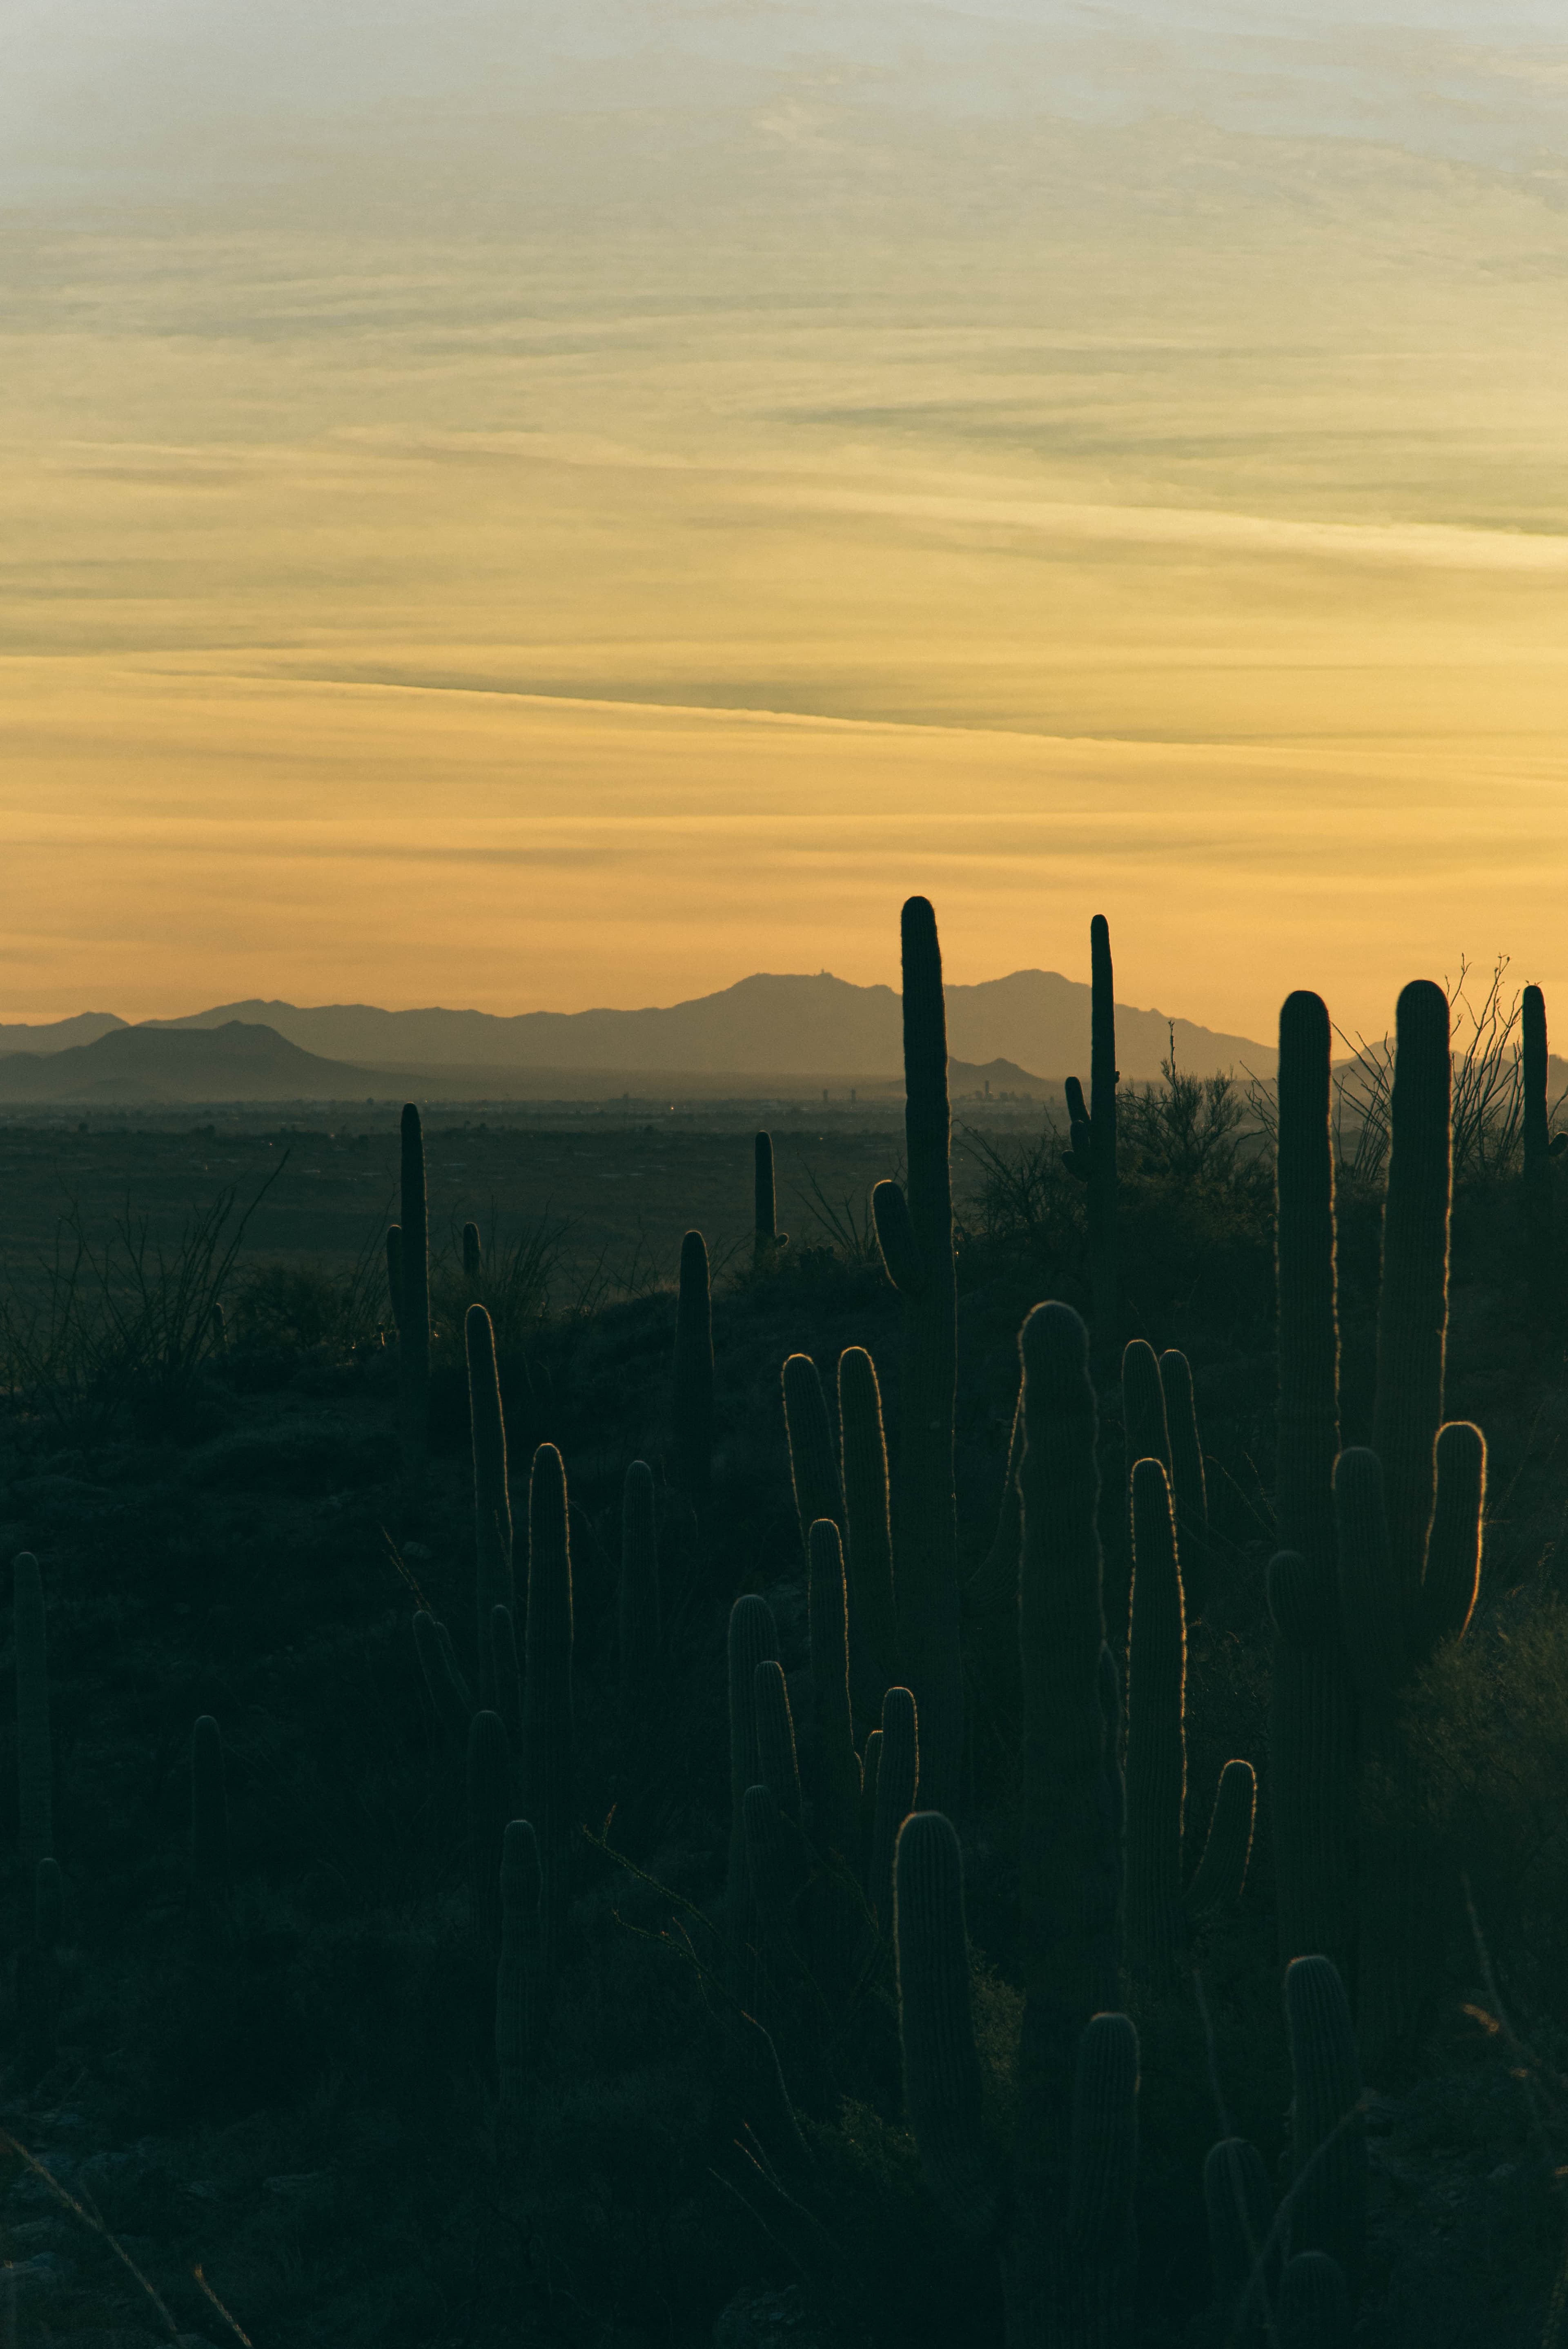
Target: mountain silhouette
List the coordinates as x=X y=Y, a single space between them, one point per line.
x=235 y=1061
x=769 y=1025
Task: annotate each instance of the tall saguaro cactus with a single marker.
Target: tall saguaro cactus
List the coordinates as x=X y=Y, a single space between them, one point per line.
x=691 y=1383
x=35 y=1752
x=868 y=1527
x=1537 y=1139
x=1156 y=1734
x=1092 y=1131
x=492 y=1497
x=914 y=1231
x=549 y=1793
x=1313 y=1726
x=413 y=1289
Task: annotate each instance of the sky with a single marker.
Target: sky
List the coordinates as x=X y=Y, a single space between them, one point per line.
x=544 y=505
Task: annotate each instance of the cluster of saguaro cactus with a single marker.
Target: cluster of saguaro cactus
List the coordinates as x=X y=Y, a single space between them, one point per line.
x=1381 y=1544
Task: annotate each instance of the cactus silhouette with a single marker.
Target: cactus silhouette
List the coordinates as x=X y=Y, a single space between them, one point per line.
x=1145 y=1433
x=868 y=1530
x=210 y=1867
x=896 y=1781
x=1062 y=2222
x=1540 y=1148
x=813 y=1470
x=35 y=1750
x=548 y=1766
x=473 y=1262
x=915 y=1232
x=1314 y=2307
x=413 y=1289
x=1189 y=1485
x=489 y=1807
x=395 y=1273
x=1328 y=2152
x=1092 y=1130
x=1313 y=1732
x=492 y=1499
x=767 y=1240
x=519 y=1986
x=1244 y=2252
x=691 y=1385
x=1221 y=1872
x=1156 y=1734
x=836 y=1770
x=638 y=1612
x=990 y=1612
x=753 y=1640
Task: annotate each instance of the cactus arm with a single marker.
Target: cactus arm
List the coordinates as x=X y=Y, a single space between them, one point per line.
x=896 y=1240
x=874 y=1636
x=776 y=1739
x=897 y=1785
x=1101 y=2229
x=1537 y=1141
x=835 y=1811
x=1143 y=1407
x=35 y=1749
x=473 y=1262
x=1453 y=1551
x=813 y=1470
x=1412 y=1305
x=1313 y=2310
x=638 y=1625
x=493 y=1498
x=547 y=1759
x=1078 y=1157
x=1221 y=1873
x=936 y=2025
x=489 y=1808
x=691 y=1383
x=1305 y=1262
x=1189 y=1486
x=1239 y=2209
x=414 y=1322
x=1328 y=2153
x=1156 y=1733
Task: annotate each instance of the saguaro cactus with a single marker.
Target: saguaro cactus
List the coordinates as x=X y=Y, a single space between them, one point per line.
x=520 y=1976
x=691 y=1385
x=413 y=1291
x=639 y=1625
x=35 y=1751
x=1328 y=2153
x=549 y=1786
x=492 y=1496
x=1312 y=1729
x=868 y=1530
x=473 y=1262
x=211 y=1869
x=813 y=1470
x=1539 y=1147
x=767 y=1237
x=1189 y=1486
x=1156 y=1734
x=1092 y=1129
x=394 y=1272
x=915 y=1232
x=897 y=1783
x=836 y=1770
x=753 y=1642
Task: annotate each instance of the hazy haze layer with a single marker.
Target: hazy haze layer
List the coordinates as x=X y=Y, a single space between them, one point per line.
x=546 y=506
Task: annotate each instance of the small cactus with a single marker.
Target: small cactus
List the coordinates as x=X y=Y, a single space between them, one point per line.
x=897 y=1785
x=210 y=1866
x=413 y=1291
x=1328 y=2152
x=473 y=1262
x=35 y=1751
x=813 y=1470
x=1313 y=2306
x=691 y=1385
x=493 y=1498
x=638 y=1611
x=489 y=1807
x=1222 y=1871
x=520 y=1975
x=915 y=1232
x=548 y=1772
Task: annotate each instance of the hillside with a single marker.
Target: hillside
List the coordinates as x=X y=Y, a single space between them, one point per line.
x=234 y=1061
x=767 y=1025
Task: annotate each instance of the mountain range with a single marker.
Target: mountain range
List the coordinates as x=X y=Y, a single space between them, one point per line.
x=769 y=1026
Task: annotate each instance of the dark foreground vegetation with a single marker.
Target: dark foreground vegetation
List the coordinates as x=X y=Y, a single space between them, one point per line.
x=310 y=2041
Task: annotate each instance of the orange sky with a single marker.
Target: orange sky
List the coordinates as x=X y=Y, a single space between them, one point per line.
x=515 y=599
